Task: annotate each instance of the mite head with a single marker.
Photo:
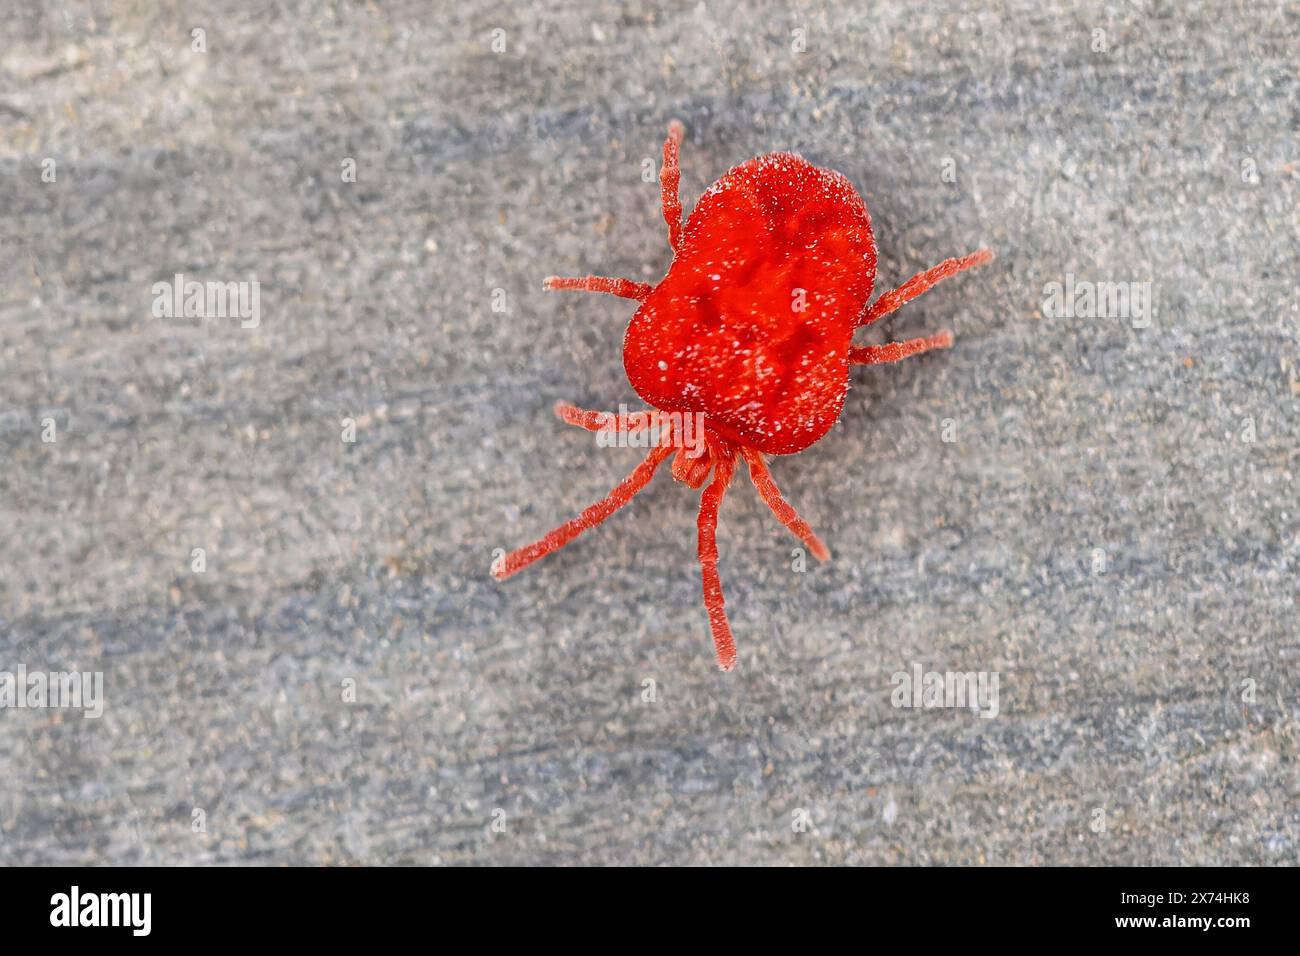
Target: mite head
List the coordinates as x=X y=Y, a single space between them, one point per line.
x=696 y=459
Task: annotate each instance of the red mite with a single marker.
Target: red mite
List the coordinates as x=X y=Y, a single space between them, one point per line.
x=751 y=328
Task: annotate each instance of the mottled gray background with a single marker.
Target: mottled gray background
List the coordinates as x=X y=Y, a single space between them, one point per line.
x=1102 y=533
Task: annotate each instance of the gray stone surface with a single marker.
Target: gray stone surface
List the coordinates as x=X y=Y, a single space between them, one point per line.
x=1102 y=532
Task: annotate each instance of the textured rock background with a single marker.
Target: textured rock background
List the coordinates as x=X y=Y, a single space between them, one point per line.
x=1101 y=532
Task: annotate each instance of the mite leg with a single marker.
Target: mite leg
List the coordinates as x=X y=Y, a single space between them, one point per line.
x=605 y=421
x=922 y=282
x=897 y=351
x=559 y=537
x=622 y=287
x=670 y=177
x=714 y=603
x=784 y=511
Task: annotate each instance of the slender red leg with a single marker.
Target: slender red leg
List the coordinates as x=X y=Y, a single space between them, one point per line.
x=559 y=537
x=670 y=178
x=783 y=510
x=922 y=282
x=714 y=603
x=623 y=287
x=605 y=421
x=896 y=351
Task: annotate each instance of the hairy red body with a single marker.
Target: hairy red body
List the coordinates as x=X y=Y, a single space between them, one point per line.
x=752 y=329
x=753 y=321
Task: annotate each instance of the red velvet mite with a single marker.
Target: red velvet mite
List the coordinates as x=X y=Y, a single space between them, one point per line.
x=752 y=328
